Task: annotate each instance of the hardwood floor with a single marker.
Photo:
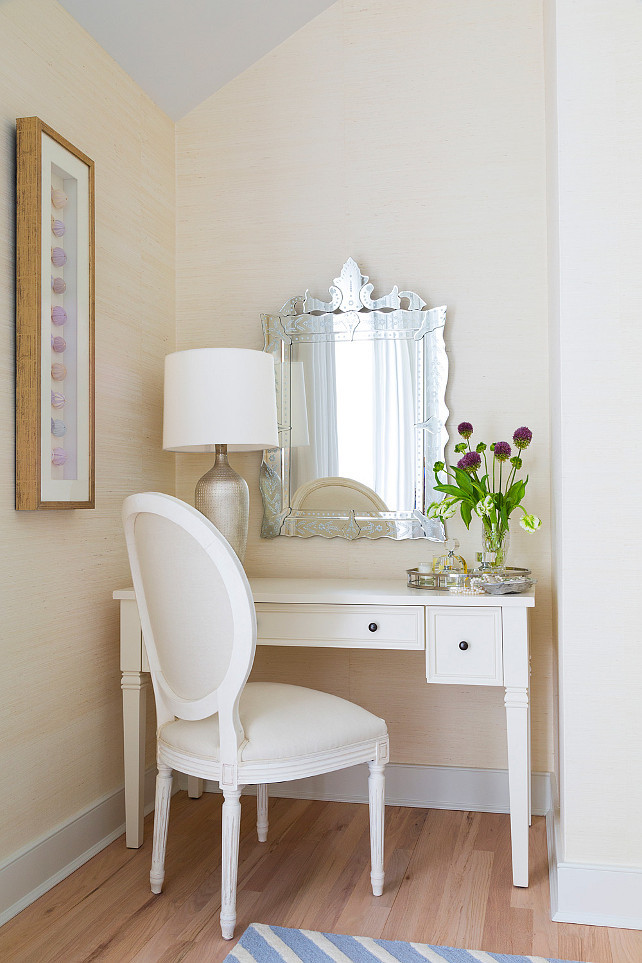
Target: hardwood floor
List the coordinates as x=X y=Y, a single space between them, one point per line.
x=448 y=881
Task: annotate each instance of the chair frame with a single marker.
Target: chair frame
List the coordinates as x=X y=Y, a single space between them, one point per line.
x=230 y=771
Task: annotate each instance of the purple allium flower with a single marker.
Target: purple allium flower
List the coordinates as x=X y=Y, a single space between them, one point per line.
x=465 y=429
x=502 y=450
x=470 y=462
x=522 y=437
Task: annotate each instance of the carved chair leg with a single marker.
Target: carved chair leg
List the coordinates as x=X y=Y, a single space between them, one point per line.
x=376 y=794
x=229 y=860
x=161 y=820
x=262 y=812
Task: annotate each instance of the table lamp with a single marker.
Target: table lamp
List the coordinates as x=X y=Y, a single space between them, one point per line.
x=218 y=399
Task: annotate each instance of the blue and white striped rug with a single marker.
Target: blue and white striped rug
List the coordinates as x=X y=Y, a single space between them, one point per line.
x=276 y=944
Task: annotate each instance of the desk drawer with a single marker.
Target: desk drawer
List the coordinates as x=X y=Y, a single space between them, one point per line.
x=341 y=626
x=464 y=645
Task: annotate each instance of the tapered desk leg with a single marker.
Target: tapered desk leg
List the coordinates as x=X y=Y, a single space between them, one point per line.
x=516 y=700
x=194 y=787
x=134 y=686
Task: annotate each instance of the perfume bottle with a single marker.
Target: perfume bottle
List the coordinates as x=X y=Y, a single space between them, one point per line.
x=451 y=564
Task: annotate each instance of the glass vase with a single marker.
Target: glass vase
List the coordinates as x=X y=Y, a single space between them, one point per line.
x=495 y=545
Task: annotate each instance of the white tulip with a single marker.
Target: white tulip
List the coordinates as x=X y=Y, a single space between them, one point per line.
x=484 y=507
x=530 y=523
x=447 y=509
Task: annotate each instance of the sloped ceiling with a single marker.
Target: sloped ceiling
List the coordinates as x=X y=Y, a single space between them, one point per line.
x=181 y=51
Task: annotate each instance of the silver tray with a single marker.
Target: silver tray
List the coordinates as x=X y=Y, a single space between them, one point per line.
x=435 y=581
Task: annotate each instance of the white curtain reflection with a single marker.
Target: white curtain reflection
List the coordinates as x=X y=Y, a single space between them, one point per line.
x=355 y=393
x=319 y=458
x=393 y=422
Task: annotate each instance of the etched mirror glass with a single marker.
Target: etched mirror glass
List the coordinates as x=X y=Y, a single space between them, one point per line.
x=361 y=402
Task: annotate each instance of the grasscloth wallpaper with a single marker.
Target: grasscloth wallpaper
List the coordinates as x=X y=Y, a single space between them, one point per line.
x=61 y=745
x=425 y=161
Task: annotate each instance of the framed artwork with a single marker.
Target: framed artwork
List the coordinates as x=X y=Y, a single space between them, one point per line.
x=54 y=321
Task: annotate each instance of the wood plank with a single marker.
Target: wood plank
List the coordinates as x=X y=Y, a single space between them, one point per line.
x=626 y=945
x=536 y=897
x=364 y=914
x=586 y=944
x=421 y=890
x=459 y=921
x=507 y=927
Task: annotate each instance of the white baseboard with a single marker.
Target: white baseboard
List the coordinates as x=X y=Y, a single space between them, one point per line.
x=592 y=894
x=425 y=787
x=37 y=867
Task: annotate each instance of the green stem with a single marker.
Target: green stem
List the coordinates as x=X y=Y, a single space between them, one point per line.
x=512 y=479
x=509 y=480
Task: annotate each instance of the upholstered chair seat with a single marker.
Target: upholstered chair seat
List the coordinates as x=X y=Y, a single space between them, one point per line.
x=279 y=721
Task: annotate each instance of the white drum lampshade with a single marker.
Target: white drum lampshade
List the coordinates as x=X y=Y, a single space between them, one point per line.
x=220 y=399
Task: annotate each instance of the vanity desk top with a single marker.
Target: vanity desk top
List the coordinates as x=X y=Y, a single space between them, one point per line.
x=372 y=592
x=363 y=591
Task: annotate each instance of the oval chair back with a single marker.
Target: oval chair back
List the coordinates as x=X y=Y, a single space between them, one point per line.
x=196 y=612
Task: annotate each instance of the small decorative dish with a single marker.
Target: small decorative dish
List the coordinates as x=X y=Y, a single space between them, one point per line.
x=503 y=584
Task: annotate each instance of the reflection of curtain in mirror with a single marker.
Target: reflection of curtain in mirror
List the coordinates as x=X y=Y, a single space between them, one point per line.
x=394 y=420
x=320 y=458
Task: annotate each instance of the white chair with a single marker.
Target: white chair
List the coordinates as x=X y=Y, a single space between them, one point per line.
x=336 y=494
x=199 y=627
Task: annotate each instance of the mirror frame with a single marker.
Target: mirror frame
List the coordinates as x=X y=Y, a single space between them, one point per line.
x=351 y=312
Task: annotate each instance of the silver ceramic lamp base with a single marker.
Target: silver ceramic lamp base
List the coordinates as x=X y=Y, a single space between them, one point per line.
x=223 y=497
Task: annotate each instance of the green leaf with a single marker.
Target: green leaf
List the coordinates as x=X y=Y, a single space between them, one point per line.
x=515 y=488
x=450 y=490
x=464 y=481
x=466 y=513
x=514 y=495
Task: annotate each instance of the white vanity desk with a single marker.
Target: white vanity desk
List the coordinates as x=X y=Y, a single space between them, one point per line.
x=469 y=640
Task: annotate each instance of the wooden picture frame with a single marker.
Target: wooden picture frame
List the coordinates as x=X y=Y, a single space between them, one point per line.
x=54 y=321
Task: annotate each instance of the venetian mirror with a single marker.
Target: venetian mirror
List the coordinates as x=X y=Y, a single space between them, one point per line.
x=360 y=386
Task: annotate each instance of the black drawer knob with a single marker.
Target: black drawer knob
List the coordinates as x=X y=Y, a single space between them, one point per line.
x=463 y=646
x=373 y=626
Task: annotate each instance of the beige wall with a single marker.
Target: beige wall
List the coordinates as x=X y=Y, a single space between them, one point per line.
x=61 y=743
x=596 y=347
x=410 y=136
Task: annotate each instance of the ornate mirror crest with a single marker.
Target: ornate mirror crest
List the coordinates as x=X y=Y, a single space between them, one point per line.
x=361 y=401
